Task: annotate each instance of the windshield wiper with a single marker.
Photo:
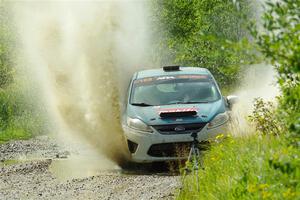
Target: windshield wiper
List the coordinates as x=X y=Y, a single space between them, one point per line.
x=141 y=104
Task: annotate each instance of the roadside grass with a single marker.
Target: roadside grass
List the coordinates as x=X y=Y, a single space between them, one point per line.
x=20 y=118
x=14 y=134
x=253 y=167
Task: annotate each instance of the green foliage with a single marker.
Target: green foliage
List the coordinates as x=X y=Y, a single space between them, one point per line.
x=207 y=33
x=265 y=118
x=247 y=168
x=279 y=41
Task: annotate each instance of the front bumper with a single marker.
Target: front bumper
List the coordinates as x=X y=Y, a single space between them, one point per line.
x=145 y=140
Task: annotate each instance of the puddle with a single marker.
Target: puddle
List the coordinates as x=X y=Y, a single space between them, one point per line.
x=81 y=167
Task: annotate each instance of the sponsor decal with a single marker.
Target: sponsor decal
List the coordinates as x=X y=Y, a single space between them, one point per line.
x=193 y=76
x=144 y=80
x=165 y=78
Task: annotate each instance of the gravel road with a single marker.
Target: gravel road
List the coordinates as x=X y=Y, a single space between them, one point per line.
x=39 y=168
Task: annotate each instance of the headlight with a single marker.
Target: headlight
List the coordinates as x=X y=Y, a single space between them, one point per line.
x=219 y=120
x=138 y=125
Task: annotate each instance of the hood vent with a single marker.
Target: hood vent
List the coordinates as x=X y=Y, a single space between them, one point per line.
x=178 y=114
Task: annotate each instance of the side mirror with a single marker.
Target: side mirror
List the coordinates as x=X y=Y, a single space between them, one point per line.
x=232 y=99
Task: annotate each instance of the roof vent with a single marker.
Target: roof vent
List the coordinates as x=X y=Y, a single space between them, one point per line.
x=171 y=68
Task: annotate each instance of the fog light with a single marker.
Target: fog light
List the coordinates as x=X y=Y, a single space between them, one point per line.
x=132 y=146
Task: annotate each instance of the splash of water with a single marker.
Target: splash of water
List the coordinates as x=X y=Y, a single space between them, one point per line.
x=82 y=55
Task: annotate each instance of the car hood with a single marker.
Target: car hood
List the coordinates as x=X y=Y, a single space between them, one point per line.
x=151 y=114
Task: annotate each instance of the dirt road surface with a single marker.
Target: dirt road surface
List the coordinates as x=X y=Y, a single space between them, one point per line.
x=40 y=168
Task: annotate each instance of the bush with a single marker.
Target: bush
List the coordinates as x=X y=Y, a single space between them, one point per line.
x=20 y=118
x=265 y=118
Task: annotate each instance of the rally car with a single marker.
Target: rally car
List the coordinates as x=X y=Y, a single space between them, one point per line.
x=166 y=105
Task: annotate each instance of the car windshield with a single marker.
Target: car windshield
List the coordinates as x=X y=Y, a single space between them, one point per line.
x=180 y=89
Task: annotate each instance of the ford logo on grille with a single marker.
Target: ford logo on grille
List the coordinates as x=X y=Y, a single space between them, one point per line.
x=179 y=128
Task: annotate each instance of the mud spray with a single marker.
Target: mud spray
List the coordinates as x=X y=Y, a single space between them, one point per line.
x=82 y=55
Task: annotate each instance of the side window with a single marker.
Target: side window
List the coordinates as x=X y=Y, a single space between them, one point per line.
x=214 y=91
x=128 y=92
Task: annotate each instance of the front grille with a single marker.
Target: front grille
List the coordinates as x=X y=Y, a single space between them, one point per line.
x=179 y=128
x=179 y=149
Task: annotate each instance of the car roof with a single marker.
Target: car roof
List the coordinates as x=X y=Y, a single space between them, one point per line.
x=161 y=72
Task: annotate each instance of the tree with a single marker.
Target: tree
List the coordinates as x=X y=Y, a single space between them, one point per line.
x=207 y=33
x=6 y=48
